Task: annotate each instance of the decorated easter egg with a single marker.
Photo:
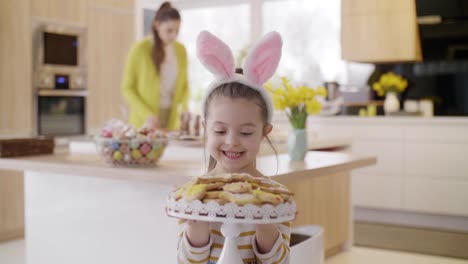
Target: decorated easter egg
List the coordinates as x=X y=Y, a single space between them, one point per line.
x=117 y=155
x=106 y=133
x=136 y=154
x=115 y=145
x=134 y=144
x=145 y=148
x=124 y=148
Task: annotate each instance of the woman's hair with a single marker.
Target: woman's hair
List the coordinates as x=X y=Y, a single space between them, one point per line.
x=236 y=90
x=165 y=13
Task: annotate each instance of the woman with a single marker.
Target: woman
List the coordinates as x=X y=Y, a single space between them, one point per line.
x=155 y=83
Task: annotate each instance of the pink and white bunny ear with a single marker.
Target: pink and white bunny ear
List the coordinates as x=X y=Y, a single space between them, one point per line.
x=262 y=61
x=215 y=55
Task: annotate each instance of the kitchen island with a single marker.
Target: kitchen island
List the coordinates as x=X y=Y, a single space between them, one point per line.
x=80 y=210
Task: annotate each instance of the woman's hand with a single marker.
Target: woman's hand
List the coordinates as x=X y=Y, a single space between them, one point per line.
x=266 y=236
x=198 y=233
x=152 y=122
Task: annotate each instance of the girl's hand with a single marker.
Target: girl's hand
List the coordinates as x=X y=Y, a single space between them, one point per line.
x=152 y=122
x=266 y=236
x=198 y=233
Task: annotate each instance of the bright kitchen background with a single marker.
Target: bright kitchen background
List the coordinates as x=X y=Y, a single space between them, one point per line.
x=310 y=31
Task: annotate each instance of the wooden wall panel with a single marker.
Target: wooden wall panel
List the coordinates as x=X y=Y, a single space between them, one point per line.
x=69 y=11
x=123 y=4
x=16 y=98
x=111 y=34
x=11 y=205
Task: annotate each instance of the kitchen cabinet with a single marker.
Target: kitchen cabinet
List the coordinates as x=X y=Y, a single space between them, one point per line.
x=122 y=4
x=69 y=11
x=379 y=31
x=16 y=100
x=111 y=35
x=11 y=205
x=421 y=162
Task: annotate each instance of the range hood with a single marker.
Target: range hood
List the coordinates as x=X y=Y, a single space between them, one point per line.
x=443 y=29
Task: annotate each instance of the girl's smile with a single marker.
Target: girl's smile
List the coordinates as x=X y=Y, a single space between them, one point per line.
x=235 y=130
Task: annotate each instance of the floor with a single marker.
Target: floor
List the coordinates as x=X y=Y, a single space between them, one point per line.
x=447 y=243
x=14 y=253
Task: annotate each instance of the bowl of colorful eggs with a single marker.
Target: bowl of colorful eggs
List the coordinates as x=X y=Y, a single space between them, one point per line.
x=127 y=147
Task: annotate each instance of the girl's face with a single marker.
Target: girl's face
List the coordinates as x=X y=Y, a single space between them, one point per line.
x=234 y=129
x=167 y=30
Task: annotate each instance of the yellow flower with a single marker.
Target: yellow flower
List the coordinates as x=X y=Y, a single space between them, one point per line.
x=279 y=102
x=296 y=101
x=313 y=107
x=390 y=82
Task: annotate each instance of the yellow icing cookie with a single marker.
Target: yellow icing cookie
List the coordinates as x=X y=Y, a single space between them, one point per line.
x=238 y=187
x=195 y=192
x=239 y=198
x=266 y=197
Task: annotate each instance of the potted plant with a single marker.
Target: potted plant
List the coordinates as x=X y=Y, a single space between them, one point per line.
x=298 y=102
x=390 y=85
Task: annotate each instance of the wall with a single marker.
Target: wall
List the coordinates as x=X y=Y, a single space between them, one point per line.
x=15 y=67
x=110 y=34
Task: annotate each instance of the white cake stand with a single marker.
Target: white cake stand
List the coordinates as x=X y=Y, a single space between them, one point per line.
x=232 y=216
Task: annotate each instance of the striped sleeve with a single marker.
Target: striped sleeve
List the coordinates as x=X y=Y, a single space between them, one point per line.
x=187 y=254
x=279 y=254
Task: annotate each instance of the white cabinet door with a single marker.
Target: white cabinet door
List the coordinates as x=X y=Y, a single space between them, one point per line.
x=377 y=192
x=444 y=161
x=436 y=196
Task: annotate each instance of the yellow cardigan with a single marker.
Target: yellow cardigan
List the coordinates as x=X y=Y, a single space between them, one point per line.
x=141 y=84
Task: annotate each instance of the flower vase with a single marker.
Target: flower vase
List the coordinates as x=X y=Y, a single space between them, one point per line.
x=297 y=144
x=391 y=103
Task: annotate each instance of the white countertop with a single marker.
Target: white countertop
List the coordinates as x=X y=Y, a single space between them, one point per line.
x=437 y=120
x=178 y=164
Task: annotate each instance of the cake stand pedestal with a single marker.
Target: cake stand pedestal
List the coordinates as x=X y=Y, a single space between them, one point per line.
x=232 y=216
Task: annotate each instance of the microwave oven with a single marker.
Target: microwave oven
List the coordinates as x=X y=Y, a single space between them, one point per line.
x=59 y=53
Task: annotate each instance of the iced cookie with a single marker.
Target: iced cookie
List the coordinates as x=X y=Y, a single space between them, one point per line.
x=266 y=197
x=214 y=186
x=179 y=191
x=195 y=192
x=212 y=195
x=276 y=190
x=239 y=199
x=227 y=178
x=238 y=187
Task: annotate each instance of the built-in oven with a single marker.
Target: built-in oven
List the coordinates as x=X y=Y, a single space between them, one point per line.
x=60 y=78
x=61 y=113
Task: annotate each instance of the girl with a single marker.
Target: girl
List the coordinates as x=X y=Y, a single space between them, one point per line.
x=155 y=84
x=237 y=116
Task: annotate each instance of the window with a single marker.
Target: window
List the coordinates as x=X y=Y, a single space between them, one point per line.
x=311 y=38
x=219 y=20
x=310 y=32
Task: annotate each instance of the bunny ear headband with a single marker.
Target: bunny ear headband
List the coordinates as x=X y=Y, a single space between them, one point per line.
x=260 y=64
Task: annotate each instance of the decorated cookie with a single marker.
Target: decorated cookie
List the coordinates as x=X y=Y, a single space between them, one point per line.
x=195 y=192
x=238 y=187
x=266 y=197
x=212 y=195
x=239 y=199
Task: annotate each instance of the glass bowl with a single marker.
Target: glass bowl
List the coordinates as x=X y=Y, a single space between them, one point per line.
x=138 y=152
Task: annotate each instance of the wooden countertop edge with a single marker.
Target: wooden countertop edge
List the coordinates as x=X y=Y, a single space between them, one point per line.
x=328 y=170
